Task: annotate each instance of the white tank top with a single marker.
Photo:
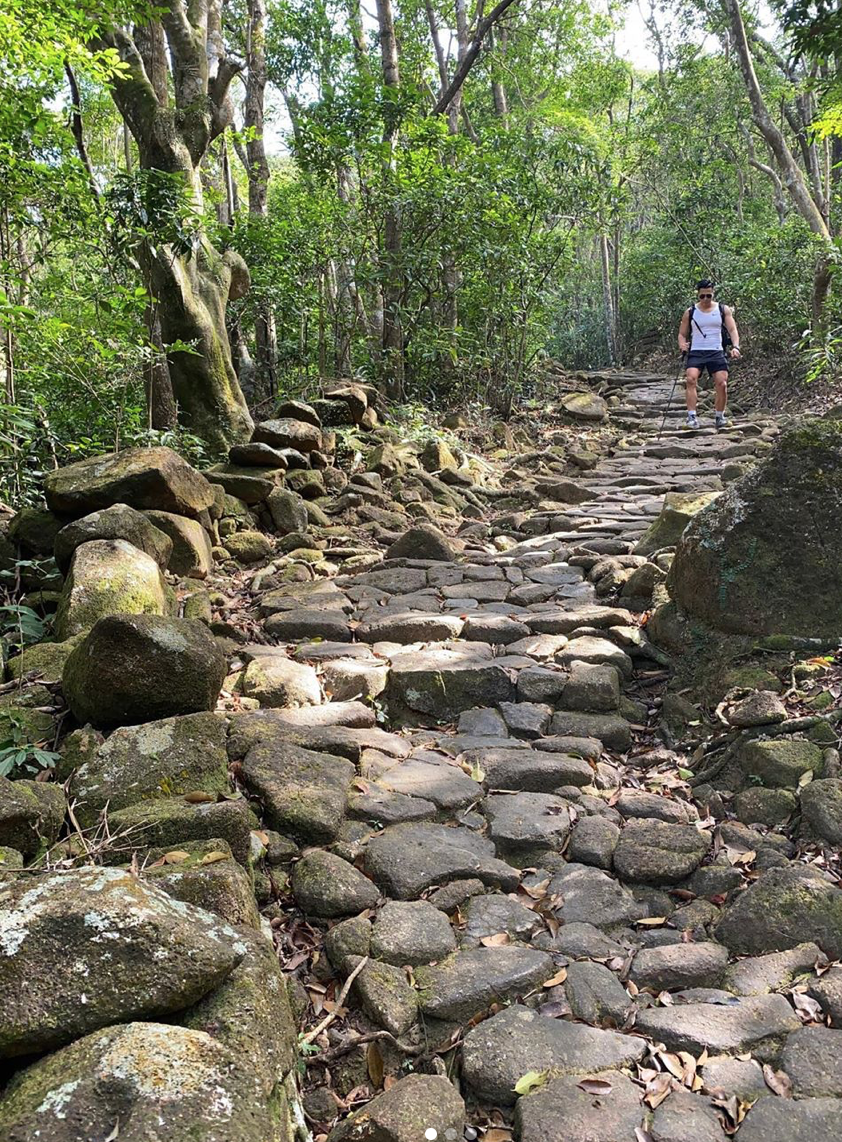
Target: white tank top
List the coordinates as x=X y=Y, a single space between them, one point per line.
x=706 y=329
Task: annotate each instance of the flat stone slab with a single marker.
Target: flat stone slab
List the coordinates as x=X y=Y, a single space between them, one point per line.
x=444 y=783
x=492 y=913
x=502 y=1049
x=303 y=793
x=659 y=853
x=676 y=966
x=442 y=683
x=595 y=651
x=590 y=896
x=562 y=1109
x=524 y=823
x=469 y=981
x=758 y=1024
x=786 y=1120
x=411 y=932
x=409 y=627
x=530 y=770
x=406 y=859
x=812 y=1058
x=758 y=975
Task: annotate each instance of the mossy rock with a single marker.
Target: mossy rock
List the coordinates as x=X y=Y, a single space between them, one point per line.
x=140 y=477
x=137 y=668
x=250 y=1013
x=155 y=1080
x=248 y=546
x=183 y=755
x=46 y=659
x=785 y=907
x=117 y=522
x=205 y=873
x=758 y=806
x=34 y=530
x=679 y=508
x=31 y=815
x=107 y=577
x=780 y=763
x=762 y=559
x=170 y=821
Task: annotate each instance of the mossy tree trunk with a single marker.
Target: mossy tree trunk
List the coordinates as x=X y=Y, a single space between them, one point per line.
x=173 y=136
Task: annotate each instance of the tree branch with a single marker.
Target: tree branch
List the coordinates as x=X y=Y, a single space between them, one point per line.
x=470 y=56
x=77 y=129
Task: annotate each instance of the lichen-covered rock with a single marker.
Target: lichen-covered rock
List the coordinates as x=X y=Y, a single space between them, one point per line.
x=140 y=477
x=117 y=522
x=157 y=1081
x=585 y=406
x=759 y=1024
x=411 y=932
x=34 y=531
x=108 y=577
x=679 y=508
x=191 y=545
x=91 y=947
x=469 y=981
x=250 y=1013
x=31 y=814
x=205 y=873
x=158 y=759
x=407 y=1112
x=136 y=668
x=762 y=559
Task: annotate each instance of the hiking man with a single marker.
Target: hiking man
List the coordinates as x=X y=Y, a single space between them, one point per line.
x=706 y=334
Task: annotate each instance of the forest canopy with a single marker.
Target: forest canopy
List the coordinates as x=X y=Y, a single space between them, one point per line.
x=206 y=205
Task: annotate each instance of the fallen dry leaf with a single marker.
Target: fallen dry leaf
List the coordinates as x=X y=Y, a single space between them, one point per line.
x=175 y=857
x=777 y=1081
x=212 y=858
x=495 y=941
x=595 y=1086
x=809 y=1010
x=537 y=891
x=559 y=977
x=375 y=1065
x=658 y=1089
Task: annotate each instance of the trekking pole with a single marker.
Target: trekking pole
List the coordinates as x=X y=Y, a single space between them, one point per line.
x=672 y=394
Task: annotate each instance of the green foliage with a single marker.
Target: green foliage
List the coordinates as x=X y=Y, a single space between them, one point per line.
x=17 y=753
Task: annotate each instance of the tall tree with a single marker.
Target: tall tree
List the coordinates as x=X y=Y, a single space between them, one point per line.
x=191 y=287
x=807 y=198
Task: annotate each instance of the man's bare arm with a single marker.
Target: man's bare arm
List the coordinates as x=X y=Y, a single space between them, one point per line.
x=731 y=326
x=684 y=331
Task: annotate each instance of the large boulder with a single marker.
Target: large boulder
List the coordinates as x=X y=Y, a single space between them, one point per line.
x=117 y=522
x=95 y=946
x=108 y=577
x=146 y=1080
x=763 y=559
x=139 y=477
x=136 y=668
x=679 y=508
x=167 y=758
x=782 y=909
x=288 y=433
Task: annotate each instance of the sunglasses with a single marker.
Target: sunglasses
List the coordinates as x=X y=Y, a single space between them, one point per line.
x=704 y=295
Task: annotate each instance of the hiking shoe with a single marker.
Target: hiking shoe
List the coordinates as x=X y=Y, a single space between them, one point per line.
x=721 y=420
x=692 y=420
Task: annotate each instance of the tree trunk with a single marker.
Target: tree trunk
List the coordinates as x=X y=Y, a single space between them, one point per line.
x=191 y=292
x=608 y=300
x=265 y=333
x=393 y=348
x=791 y=174
x=160 y=400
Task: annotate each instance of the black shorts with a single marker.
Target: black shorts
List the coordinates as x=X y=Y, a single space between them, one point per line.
x=714 y=360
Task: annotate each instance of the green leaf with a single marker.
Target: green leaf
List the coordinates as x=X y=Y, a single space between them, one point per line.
x=532 y=1080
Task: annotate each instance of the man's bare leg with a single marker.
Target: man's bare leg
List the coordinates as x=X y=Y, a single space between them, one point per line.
x=692 y=395
x=720 y=384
